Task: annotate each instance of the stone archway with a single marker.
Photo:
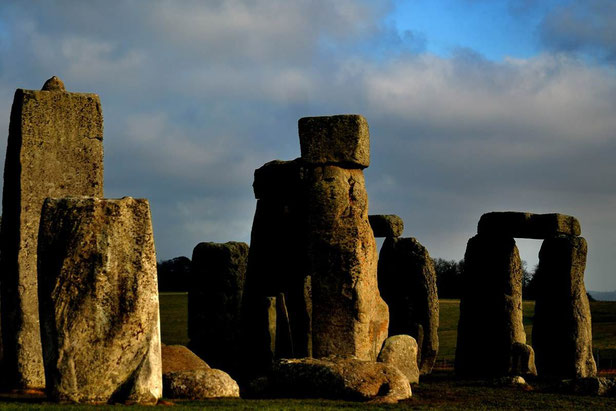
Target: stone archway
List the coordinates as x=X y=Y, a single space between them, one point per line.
x=491 y=338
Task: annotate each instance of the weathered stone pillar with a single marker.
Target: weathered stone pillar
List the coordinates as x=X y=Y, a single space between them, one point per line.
x=55 y=149
x=407 y=282
x=214 y=301
x=490 y=307
x=349 y=317
x=562 y=336
x=98 y=299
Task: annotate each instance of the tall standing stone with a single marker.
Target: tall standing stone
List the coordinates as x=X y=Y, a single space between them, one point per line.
x=407 y=281
x=214 y=300
x=490 y=308
x=55 y=148
x=98 y=297
x=349 y=317
x=562 y=335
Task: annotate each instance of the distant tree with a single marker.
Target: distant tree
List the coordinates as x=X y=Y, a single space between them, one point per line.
x=174 y=274
x=448 y=277
x=528 y=282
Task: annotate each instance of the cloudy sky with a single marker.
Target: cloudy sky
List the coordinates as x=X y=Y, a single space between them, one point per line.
x=473 y=105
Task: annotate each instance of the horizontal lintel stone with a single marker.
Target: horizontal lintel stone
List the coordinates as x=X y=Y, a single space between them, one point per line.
x=386 y=225
x=528 y=225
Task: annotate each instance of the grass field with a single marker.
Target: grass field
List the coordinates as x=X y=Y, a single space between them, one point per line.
x=174 y=309
x=437 y=391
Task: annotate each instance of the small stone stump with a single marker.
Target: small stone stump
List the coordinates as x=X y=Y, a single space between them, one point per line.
x=55 y=149
x=99 y=301
x=214 y=300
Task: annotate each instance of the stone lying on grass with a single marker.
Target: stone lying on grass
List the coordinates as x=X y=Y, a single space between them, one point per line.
x=601 y=386
x=187 y=376
x=340 y=378
x=401 y=352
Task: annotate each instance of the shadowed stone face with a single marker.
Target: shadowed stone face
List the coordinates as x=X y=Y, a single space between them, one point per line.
x=386 y=225
x=562 y=335
x=527 y=225
x=98 y=299
x=490 y=307
x=54 y=149
x=407 y=282
x=214 y=299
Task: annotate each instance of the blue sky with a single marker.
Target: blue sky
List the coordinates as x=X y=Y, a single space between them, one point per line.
x=473 y=105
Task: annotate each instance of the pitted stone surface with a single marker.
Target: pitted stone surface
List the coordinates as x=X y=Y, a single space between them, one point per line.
x=401 y=352
x=528 y=225
x=342 y=139
x=214 y=302
x=562 y=332
x=54 y=149
x=386 y=225
x=340 y=378
x=349 y=317
x=98 y=295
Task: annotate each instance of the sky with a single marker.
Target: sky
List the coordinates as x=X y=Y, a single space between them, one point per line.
x=473 y=106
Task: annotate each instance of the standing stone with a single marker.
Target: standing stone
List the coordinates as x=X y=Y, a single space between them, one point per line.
x=490 y=307
x=277 y=262
x=349 y=317
x=55 y=149
x=407 y=281
x=401 y=352
x=98 y=299
x=562 y=335
x=214 y=301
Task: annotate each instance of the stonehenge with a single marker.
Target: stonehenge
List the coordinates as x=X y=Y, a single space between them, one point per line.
x=98 y=300
x=491 y=337
x=54 y=149
x=310 y=307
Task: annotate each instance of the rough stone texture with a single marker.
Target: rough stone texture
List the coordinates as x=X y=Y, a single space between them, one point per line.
x=386 y=225
x=340 y=378
x=562 y=336
x=407 y=282
x=342 y=139
x=214 y=302
x=401 y=352
x=98 y=297
x=54 y=84
x=199 y=384
x=54 y=149
x=187 y=376
x=179 y=358
x=490 y=307
x=349 y=317
x=277 y=261
x=522 y=360
x=527 y=225
x=598 y=386
x=284 y=340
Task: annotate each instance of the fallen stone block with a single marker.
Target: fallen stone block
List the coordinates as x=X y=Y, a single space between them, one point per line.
x=340 y=378
x=98 y=298
x=386 y=225
x=186 y=376
x=401 y=352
